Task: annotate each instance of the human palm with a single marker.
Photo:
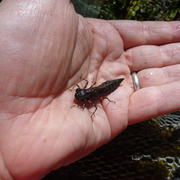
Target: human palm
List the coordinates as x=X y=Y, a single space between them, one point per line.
x=46 y=49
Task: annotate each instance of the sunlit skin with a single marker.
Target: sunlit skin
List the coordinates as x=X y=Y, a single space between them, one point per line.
x=46 y=48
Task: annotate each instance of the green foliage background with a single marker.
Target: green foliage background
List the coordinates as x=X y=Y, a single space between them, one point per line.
x=129 y=9
x=141 y=9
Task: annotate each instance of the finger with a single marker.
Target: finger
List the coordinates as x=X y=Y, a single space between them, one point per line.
x=135 y=33
x=159 y=76
x=151 y=102
x=143 y=57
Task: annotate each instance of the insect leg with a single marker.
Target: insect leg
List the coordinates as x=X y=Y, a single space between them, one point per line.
x=74 y=105
x=85 y=84
x=83 y=106
x=93 y=114
x=93 y=84
x=78 y=86
x=82 y=79
x=109 y=100
x=73 y=87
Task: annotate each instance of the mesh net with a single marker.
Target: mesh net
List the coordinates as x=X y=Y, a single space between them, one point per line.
x=148 y=150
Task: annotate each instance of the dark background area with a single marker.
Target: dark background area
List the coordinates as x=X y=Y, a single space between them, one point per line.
x=130 y=9
x=141 y=9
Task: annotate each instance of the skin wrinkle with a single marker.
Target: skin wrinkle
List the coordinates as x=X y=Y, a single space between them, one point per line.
x=82 y=62
x=8 y=147
x=87 y=135
x=147 y=76
x=169 y=95
x=161 y=56
x=73 y=54
x=128 y=57
x=96 y=126
x=121 y=33
x=167 y=74
x=173 y=35
x=73 y=81
x=177 y=31
x=160 y=104
x=155 y=38
x=175 y=51
x=124 y=125
x=77 y=50
x=69 y=65
x=32 y=9
x=154 y=99
x=42 y=133
x=169 y=102
x=110 y=127
x=77 y=154
x=164 y=56
x=47 y=67
x=103 y=54
x=154 y=30
x=8 y=175
x=109 y=51
x=117 y=30
x=167 y=54
x=173 y=73
x=55 y=77
x=39 y=105
x=145 y=31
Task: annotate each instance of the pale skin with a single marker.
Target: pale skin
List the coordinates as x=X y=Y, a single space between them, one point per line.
x=46 y=48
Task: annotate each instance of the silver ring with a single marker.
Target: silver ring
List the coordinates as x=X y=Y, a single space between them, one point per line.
x=135 y=81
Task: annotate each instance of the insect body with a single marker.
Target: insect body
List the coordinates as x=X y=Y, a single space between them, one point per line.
x=95 y=93
x=87 y=96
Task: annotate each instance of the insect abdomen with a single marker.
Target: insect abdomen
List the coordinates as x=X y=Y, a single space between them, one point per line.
x=108 y=87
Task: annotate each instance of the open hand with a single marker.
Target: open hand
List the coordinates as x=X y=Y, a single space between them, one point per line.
x=45 y=50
